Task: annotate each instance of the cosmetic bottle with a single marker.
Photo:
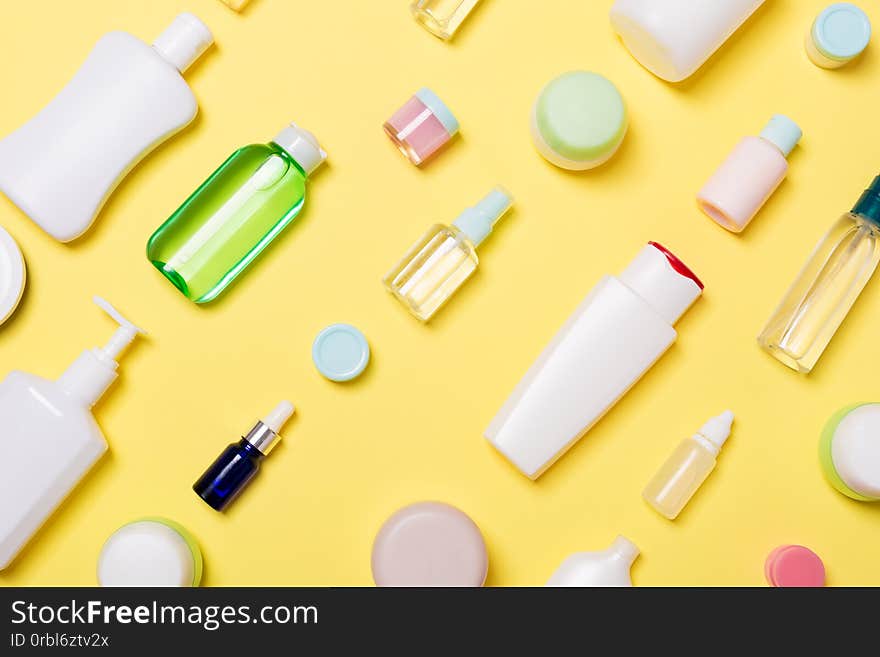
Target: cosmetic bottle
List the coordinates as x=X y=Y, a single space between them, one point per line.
x=442 y=18
x=422 y=126
x=617 y=333
x=126 y=99
x=688 y=467
x=674 y=38
x=827 y=287
x=439 y=263
x=227 y=476
x=235 y=214
x=849 y=452
x=750 y=174
x=606 y=568
x=50 y=435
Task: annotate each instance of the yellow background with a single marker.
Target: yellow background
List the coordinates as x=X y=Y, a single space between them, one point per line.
x=410 y=429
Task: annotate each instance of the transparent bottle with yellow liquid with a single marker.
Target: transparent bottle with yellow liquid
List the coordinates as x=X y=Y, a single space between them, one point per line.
x=442 y=18
x=827 y=288
x=445 y=257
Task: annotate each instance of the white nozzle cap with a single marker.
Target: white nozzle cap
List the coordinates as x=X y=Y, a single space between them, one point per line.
x=278 y=416
x=717 y=430
x=125 y=334
x=663 y=281
x=302 y=147
x=624 y=549
x=185 y=40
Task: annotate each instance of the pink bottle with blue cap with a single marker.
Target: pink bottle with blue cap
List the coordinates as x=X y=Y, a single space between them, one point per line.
x=750 y=174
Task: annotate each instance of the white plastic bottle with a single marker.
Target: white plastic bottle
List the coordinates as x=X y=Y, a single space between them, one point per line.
x=50 y=436
x=616 y=334
x=126 y=99
x=674 y=38
x=606 y=568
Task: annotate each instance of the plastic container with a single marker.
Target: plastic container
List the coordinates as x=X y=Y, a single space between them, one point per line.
x=13 y=275
x=606 y=568
x=126 y=99
x=674 y=38
x=430 y=544
x=150 y=552
x=438 y=264
x=794 y=566
x=849 y=452
x=236 y=213
x=50 y=435
x=749 y=176
x=579 y=121
x=616 y=335
x=442 y=18
x=422 y=126
x=239 y=463
x=838 y=35
x=827 y=288
x=687 y=468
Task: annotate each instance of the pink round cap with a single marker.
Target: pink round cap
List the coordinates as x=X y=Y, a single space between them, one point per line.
x=429 y=544
x=794 y=565
x=422 y=126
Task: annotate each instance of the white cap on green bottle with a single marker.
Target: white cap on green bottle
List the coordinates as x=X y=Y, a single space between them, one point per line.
x=302 y=147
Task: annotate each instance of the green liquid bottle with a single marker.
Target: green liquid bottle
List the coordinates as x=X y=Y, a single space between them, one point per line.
x=235 y=214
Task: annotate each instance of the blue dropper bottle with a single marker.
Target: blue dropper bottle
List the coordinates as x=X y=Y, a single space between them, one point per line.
x=239 y=463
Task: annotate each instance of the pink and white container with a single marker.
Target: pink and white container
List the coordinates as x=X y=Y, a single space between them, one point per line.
x=422 y=126
x=750 y=174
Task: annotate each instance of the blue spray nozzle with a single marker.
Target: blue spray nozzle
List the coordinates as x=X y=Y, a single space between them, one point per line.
x=477 y=222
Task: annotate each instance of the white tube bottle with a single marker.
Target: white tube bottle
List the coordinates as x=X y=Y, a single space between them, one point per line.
x=617 y=333
x=606 y=568
x=126 y=99
x=674 y=38
x=48 y=431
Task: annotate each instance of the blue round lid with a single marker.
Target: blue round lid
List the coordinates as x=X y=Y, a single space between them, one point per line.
x=842 y=31
x=341 y=352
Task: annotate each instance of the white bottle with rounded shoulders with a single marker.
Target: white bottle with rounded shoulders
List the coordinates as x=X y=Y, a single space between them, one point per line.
x=126 y=99
x=617 y=333
x=50 y=437
x=606 y=568
x=674 y=38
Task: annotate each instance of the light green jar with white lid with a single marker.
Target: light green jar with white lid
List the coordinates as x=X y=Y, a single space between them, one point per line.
x=579 y=121
x=849 y=451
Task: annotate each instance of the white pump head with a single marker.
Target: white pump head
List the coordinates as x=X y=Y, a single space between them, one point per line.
x=91 y=374
x=125 y=334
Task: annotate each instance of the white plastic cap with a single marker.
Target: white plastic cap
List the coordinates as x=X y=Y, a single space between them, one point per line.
x=276 y=418
x=185 y=40
x=663 y=281
x=624 y=549
x=302 y=146
x=717 y=430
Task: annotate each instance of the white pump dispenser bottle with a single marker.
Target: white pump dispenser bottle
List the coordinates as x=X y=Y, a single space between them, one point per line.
x=50 y=436
x=126 y=99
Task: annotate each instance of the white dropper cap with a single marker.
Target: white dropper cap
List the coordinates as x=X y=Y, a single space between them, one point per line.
x=302 y=147
x=276 y=418
x=89 y=376
x=185 y=40
x=717 y=430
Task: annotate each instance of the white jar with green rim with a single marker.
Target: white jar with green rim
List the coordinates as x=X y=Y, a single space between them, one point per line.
x=579 y=121
x=849 y=451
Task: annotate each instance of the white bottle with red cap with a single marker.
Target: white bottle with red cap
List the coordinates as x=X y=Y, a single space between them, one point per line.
x=49 y=436
x=617 y=333
x=127 y=98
